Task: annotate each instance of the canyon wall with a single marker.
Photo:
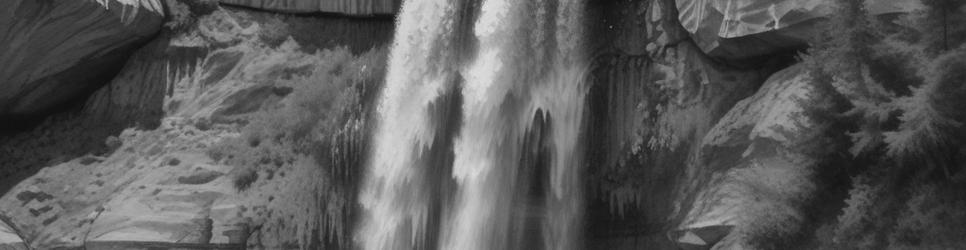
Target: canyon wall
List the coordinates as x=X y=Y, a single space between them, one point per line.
x=170 y=179
x=58 y=51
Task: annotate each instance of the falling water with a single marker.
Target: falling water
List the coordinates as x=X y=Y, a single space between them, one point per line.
x=395 y=191
x=522 y=80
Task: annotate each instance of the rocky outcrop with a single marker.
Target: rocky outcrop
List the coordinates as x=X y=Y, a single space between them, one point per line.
x=134 y=195
x=757 y=166
x=56 y=51
x=656 y=95
x=749 y=28
x=161 y=186
x=344 y=7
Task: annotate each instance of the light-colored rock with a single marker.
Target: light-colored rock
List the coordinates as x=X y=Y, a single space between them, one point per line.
x=345 y=7
x=132 y=195
x=9 y=240
x=159 y=186
x=747 y=28
x=755 y=174
x=55 y=51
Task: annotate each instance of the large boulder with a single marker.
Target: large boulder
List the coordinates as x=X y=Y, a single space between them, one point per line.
x=344 y=7
x=757 y=169
x=748 y=28
x=54 y=51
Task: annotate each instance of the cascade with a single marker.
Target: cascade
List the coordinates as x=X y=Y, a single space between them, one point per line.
x=519 y=70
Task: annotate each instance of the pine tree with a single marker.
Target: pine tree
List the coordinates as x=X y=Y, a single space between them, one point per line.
x=841 y=57
x=943 y=24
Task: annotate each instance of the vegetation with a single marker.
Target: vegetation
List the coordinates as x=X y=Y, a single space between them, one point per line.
x=903 y=82
x=308 y=112
x=325 y=107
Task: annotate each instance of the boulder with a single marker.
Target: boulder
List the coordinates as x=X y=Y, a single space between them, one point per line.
x=55 y=51
x=757 y=167
x=344 y=7
x=749 y=28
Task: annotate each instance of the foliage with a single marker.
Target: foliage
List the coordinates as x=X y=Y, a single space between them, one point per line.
x=182 y=14
x=938 y=24
x=244 y=179
x=929 y=118
x=179 y=15
x=890 y=78
x=323 y=105
x=316 y=127
x=903 y=79
x=273 y=31
x=931 y=219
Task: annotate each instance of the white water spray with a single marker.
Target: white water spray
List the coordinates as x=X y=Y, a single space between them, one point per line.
x=529 y=60
x=394 y=192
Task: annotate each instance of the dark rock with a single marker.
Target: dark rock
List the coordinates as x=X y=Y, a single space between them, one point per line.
x=56 y=51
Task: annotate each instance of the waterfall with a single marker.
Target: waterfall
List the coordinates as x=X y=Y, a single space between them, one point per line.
x=395 y=191
x=520 y=71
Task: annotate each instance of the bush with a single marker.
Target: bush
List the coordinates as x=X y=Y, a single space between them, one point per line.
x=323 y=116
x=273 y=31
x=244 y=179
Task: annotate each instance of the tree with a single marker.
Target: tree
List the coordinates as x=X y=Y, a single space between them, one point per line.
x=942 y=24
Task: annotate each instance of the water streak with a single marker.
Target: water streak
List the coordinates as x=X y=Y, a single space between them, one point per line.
x=527 y=74
x=395 y=191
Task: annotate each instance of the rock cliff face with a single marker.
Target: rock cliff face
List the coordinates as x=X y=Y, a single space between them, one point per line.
x=749 y=28
x=344 y=7
x=57 y=51
x=689 y=151
x=656 y=94
x=686 y=146
x=159 y=184
x=236 y=132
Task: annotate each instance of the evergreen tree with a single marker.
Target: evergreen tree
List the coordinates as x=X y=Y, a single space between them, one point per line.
x=943 y=24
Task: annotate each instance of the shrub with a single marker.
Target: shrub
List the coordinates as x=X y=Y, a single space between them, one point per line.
x=273 y=31
x=244 y=179
x=321 y=115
